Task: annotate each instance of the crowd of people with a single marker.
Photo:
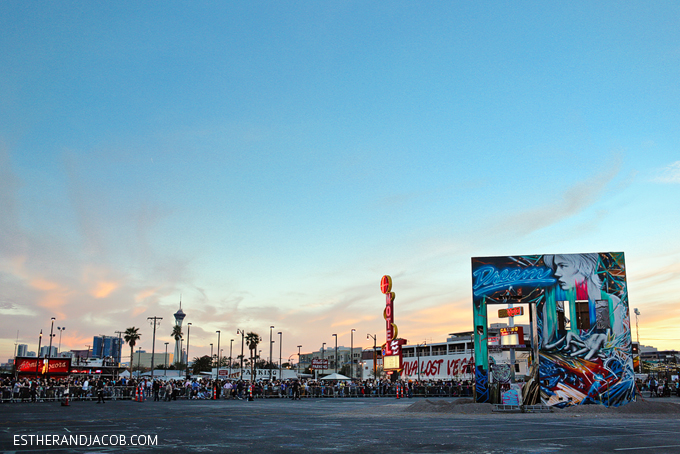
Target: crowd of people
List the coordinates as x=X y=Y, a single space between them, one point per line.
x=93 y=387
x=660 y=387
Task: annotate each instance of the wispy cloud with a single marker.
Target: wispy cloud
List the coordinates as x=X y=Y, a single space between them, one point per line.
x=669 y=174
x=573 y=201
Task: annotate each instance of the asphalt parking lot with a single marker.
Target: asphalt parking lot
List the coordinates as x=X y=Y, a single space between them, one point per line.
x=317 y=425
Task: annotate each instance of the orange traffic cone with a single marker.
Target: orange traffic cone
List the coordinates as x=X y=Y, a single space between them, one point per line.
x=65 y=402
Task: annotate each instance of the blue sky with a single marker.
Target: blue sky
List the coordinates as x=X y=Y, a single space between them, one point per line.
x=270 y=161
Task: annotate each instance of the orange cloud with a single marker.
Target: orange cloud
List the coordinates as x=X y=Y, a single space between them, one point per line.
x=104 y=289
x=44 y=285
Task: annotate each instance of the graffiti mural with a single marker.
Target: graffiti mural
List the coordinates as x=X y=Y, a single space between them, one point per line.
x=582 y=322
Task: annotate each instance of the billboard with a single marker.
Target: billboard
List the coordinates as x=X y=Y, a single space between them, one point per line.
x=582 y=323
x=43 y=366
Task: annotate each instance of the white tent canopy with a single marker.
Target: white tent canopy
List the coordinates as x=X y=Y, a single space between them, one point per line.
x=335 y=377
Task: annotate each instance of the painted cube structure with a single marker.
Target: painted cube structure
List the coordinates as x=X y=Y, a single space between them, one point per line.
x=580 y=323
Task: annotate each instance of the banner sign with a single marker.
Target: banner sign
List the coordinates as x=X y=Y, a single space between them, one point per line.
x=319 y=364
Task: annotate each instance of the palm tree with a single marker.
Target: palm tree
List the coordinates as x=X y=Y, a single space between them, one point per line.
x=177 y=335
x=131 y=336
x=201 y=364
x=252 y=339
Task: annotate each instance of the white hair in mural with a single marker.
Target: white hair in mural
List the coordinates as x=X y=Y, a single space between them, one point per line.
x=573 y=269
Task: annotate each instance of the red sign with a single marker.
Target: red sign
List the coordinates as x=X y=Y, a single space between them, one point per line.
x=390 y=328
x=223 y=372
x=44 y=366
x=386 y=284
x=510 y=312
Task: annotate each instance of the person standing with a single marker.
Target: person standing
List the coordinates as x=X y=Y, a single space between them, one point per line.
x=156 y=390
x=100 y=391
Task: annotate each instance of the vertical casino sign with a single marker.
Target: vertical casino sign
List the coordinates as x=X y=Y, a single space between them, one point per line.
x=392 y=357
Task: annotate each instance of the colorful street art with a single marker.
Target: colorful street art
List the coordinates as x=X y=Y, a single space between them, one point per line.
x=580 y=323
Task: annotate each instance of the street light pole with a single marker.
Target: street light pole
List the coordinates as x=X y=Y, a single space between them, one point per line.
x=139 y=361
x=270 y=352
x=243 y=335
x=299 y=347
x=188 y=335
x=166 y=359
x=280 y=348
x=637 y=334
x=218 y=355
x=336 y=352
x=231 y=343
x=60 y=329
x=153 y=343
x=418 y=358
x=49 y=352
x=37 y=359
x=351 y=354
x=375 y=360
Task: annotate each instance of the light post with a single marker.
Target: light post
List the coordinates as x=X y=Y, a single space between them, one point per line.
x=271 y=342
x=37 y=360
x=280 y=348
x=139 y=361
x=336 y=352
x=418 y=358
x=243 y=335
x=166 y=359
x=181 y=351
x=637 y=334
x=231 y=343
x=218 y=355
x=375 y=360
x=299 y=347
x=154 y=320
x=60 y=329
x=212 y=357
x=49 y=352
x=351 y=354
x=188 y=335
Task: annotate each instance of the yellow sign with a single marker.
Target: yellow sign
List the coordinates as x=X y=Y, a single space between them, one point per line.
x=391 y=362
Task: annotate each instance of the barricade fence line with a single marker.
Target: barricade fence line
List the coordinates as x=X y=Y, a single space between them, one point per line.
x=76 y=393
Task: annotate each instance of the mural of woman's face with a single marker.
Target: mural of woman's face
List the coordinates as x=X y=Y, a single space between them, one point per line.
x=566 y=273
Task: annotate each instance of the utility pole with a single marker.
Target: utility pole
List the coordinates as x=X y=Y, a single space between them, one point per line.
x=153 y=345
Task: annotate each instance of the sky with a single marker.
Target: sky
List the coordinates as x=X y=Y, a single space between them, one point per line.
x=269 y=162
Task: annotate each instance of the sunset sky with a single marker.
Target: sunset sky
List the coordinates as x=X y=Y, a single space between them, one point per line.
x=270 y=161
